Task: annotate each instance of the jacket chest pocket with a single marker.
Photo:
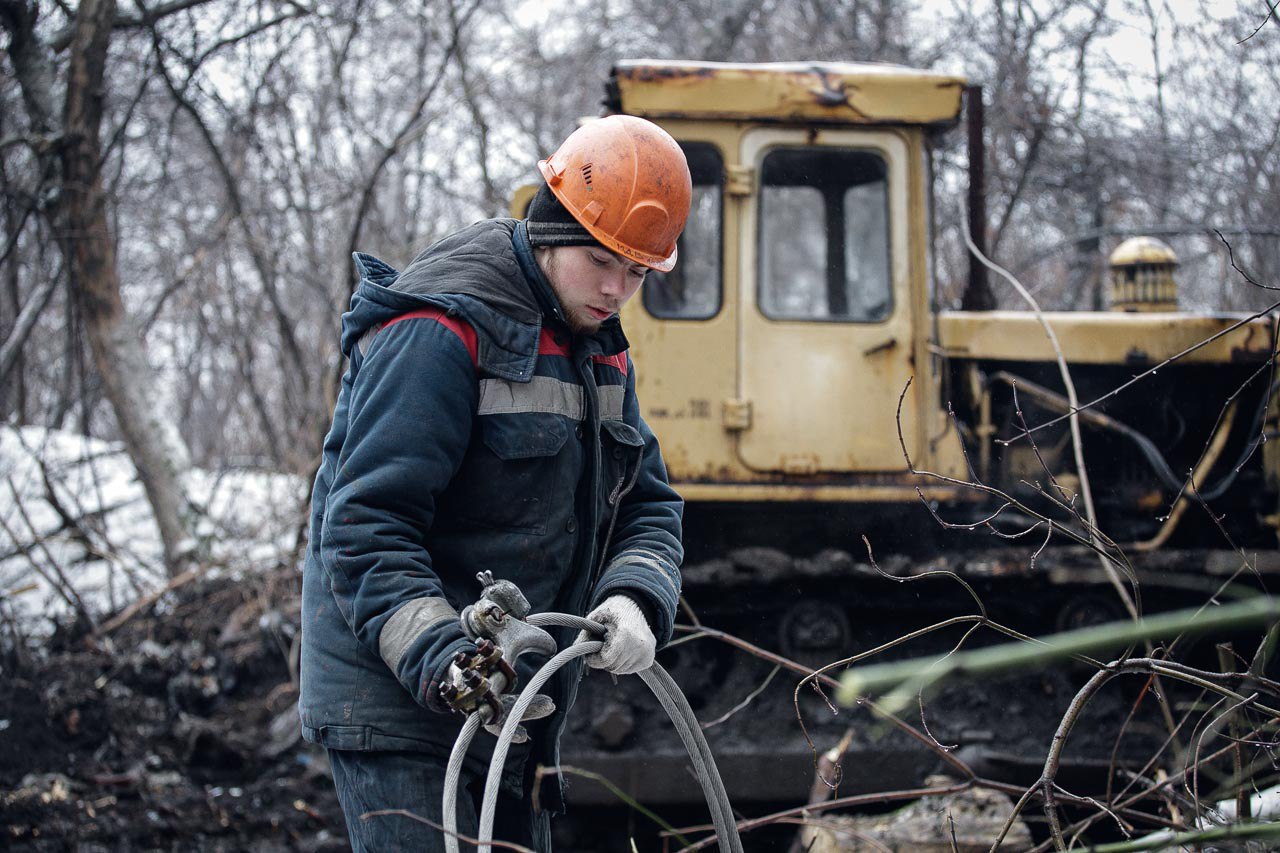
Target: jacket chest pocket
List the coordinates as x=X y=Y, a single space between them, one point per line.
x=621 y=447
x=512 y=475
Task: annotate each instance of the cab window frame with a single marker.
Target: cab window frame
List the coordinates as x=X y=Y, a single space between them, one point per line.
x=766 y=291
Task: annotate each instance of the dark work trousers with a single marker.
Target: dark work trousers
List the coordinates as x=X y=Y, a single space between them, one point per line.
x=413 y=781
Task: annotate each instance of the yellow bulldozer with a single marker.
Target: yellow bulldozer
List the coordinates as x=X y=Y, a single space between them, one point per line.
x=808 y=391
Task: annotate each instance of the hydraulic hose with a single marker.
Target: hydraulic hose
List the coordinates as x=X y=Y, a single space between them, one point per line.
x=668 y=695
x=1159 y=465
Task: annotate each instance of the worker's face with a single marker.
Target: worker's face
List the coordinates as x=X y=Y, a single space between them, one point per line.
x=591 y=283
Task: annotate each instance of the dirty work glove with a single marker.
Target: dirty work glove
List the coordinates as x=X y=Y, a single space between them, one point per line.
x=540 y=707
x=629 y=643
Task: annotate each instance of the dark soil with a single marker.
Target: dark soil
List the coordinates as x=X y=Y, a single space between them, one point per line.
x=178 y=731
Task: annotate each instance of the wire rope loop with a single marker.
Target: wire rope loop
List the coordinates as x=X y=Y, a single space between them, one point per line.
x=664 y=689
x=540 y=678
x=449 y=808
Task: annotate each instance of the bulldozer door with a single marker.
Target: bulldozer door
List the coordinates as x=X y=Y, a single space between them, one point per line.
x=825 y=331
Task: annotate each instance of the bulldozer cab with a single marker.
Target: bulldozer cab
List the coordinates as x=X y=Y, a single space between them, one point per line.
x=814 y=343
x=777 y=349
x=824 y=273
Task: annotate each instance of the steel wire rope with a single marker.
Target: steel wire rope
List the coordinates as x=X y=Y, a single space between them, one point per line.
x=673 y=701
x=664 y=689
x=449 y=813
x=514 y=716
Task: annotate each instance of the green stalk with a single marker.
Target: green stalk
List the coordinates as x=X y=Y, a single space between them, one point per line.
x=626 y=798
x=910 y=677
x=1168 y=840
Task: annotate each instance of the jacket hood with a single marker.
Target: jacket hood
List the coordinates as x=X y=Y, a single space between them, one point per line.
x=477 y=273
x=472 y=273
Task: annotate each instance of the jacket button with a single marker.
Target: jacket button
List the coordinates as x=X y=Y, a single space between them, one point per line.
x=571 y=525
x=578 y=431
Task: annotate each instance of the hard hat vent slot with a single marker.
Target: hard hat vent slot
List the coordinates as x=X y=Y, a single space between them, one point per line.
x=586 y=174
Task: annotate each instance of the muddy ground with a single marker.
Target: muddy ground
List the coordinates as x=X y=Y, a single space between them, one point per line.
x=177 y=731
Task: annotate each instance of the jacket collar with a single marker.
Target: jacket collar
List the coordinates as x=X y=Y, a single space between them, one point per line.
x=607 y=340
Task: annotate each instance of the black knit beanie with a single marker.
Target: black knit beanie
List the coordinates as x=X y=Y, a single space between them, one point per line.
x=550 y=224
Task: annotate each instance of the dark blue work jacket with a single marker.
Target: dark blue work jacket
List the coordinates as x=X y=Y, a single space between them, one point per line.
x=472 y=432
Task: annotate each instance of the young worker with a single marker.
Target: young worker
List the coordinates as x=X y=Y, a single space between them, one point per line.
x=488 y=421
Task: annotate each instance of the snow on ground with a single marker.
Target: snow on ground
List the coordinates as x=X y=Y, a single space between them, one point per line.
x=111 y=554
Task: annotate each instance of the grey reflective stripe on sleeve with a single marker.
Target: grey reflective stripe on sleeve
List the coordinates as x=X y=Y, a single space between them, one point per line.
x=648 y=559
x=611 y=402
x=408 y=623
x=540 y=394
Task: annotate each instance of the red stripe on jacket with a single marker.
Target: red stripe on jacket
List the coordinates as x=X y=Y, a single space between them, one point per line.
x=465 y=333
x=549 y=344
x=619 y=361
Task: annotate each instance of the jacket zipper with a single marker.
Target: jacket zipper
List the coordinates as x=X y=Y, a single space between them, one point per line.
x=615 y=498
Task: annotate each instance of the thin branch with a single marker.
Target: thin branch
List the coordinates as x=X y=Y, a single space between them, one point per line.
x=1231 y=255
x=59 y=580
x=622 y=795
x=145 y=18
x=745 y=702
x=1271 y=14
x=1077 y=441
x=1152 y=370
x=25 y=324
x=413 y=127
x=147 y=601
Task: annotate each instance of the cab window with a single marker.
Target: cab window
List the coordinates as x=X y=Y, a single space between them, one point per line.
x=824 y=235
x=692 y=291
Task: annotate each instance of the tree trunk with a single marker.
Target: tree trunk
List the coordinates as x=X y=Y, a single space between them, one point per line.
x=150 y=438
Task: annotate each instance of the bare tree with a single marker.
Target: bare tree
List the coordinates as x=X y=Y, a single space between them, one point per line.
x=88 y=244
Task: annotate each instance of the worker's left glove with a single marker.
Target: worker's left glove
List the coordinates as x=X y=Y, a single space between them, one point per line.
x=629 y=644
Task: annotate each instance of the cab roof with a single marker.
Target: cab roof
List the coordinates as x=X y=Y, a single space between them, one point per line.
x=828 y=92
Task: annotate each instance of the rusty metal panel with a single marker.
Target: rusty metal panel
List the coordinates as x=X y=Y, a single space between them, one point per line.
x=828 y=92
x=850 y=488
x=1136 y=340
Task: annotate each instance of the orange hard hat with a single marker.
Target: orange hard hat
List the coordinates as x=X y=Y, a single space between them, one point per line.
x=626 y=181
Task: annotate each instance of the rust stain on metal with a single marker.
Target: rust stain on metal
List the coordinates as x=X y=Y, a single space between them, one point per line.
x=1136 y=358
x=660 y=73
x=829 y=95
x=1251 y=349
